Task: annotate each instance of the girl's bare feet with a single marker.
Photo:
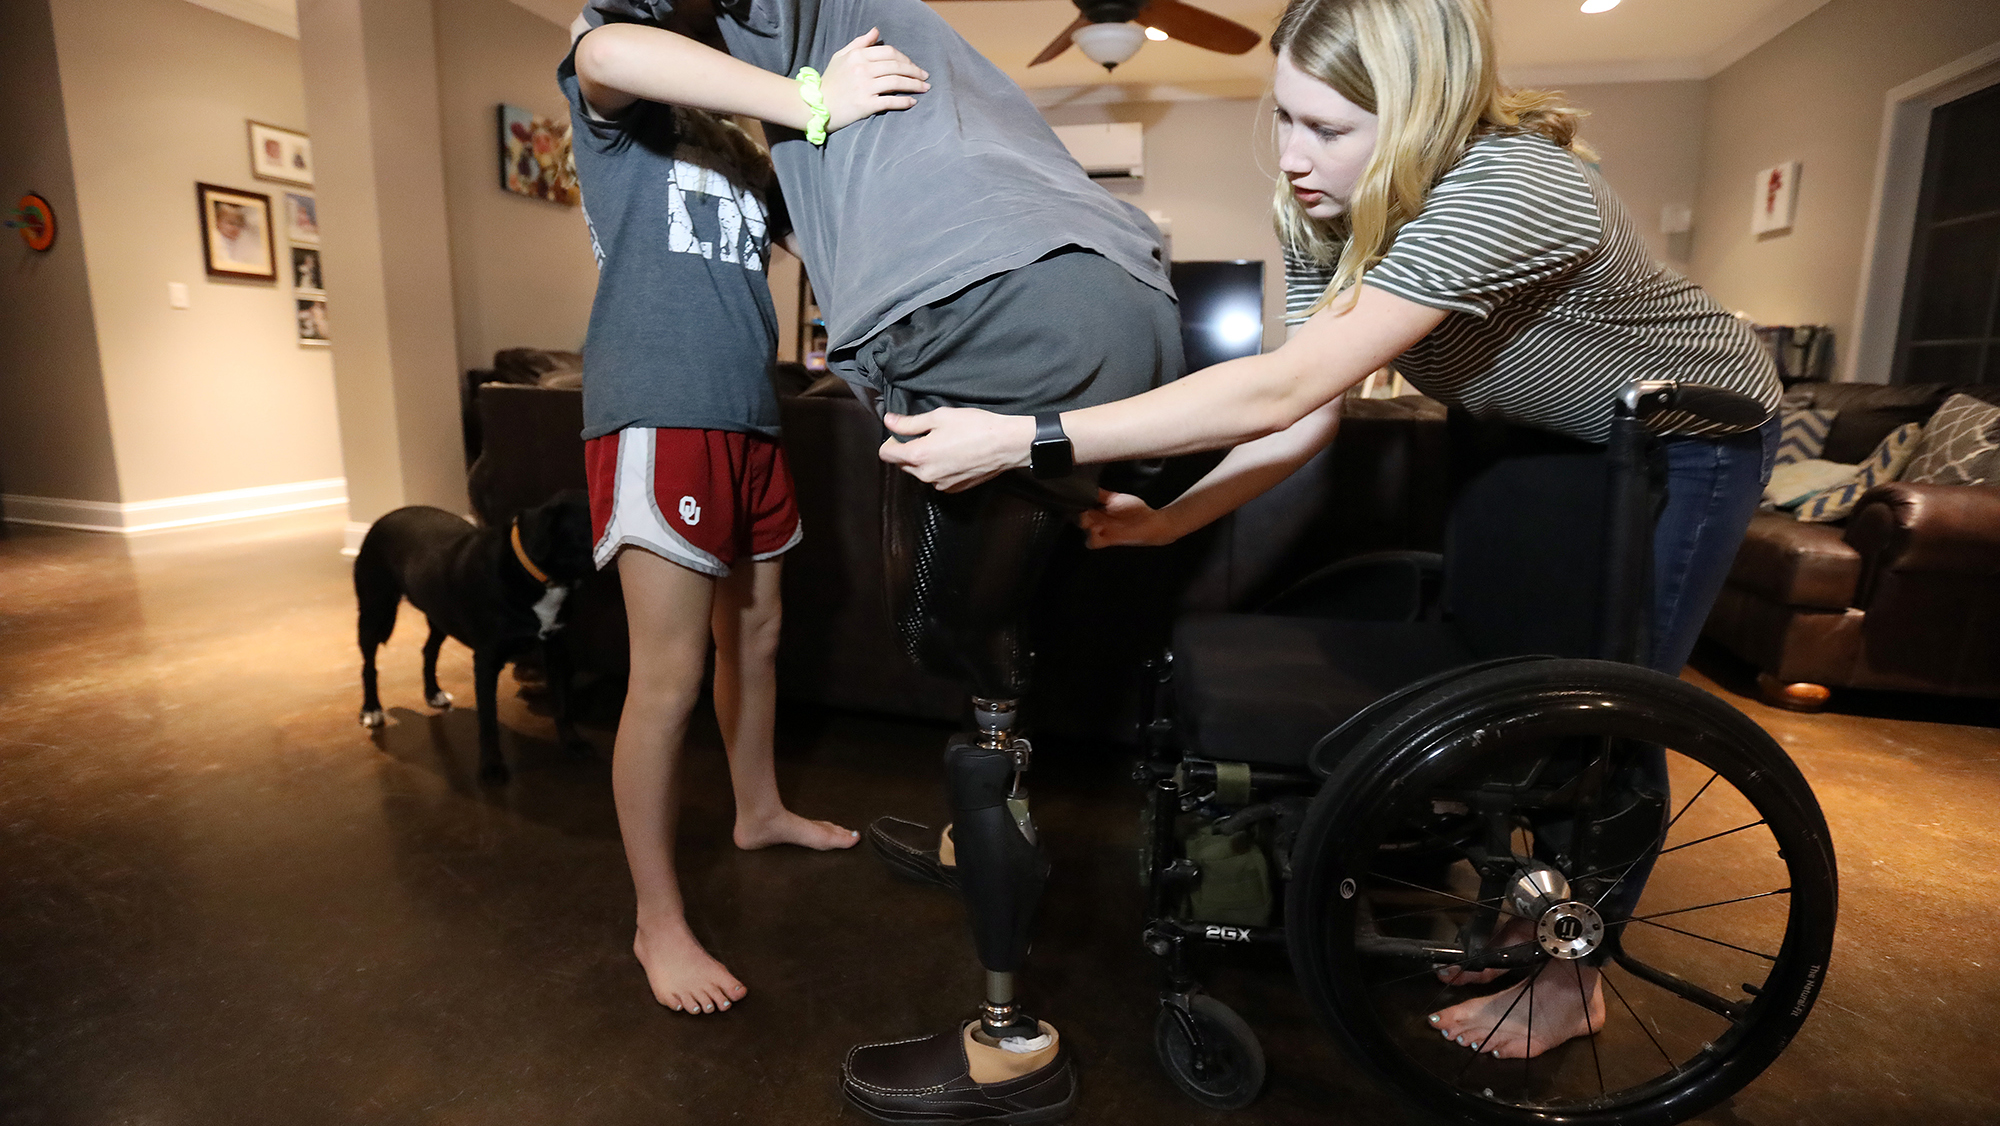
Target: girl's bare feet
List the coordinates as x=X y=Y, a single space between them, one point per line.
x=1512 y=931
x=684 y=977
x=787 y=827
x=1567 y=1002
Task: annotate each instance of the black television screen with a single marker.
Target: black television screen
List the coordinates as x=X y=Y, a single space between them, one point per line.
x=1222 y=310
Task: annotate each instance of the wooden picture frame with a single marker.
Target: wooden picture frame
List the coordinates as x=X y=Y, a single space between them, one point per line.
x=236 y=237
x=280 y=154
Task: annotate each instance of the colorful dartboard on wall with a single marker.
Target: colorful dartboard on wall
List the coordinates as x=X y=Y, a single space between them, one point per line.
x=36 y=221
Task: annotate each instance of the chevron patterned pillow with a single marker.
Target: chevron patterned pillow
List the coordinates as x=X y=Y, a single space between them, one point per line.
x=1961 y=445
x=1802 y=433
x=1882 y=466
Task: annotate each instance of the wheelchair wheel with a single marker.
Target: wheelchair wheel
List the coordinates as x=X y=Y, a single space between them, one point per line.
x=1540 y=783
x=1226 y=1070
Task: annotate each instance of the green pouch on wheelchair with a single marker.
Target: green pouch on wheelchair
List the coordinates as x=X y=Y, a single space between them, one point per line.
x=1235 y=883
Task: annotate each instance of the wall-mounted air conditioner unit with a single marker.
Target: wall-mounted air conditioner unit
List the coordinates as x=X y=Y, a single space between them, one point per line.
x=1107 y=152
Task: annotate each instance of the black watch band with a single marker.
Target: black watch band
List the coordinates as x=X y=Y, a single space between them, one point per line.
x=1050 y=456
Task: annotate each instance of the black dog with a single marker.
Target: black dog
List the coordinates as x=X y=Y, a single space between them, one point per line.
x=497 y=590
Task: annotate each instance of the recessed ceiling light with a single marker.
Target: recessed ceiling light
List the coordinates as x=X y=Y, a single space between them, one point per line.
x=1595 y=6
x=1158 y=36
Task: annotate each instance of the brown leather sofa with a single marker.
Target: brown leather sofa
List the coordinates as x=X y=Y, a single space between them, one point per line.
x=1100 y=614
x=1904 y=596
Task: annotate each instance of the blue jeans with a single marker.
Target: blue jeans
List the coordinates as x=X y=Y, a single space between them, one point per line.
x=1713 y=486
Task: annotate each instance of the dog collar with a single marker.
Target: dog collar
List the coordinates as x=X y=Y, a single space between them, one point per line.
x=522 y=554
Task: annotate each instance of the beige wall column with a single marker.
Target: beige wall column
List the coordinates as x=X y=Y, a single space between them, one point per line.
x=372 y=105
x=55 y=427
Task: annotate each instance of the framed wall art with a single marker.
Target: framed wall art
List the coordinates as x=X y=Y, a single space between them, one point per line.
x=534 y=157
x=313 y=332
x=306 y=277
x=301 y=219
x=236 y=233
x=280 y=154
x=1777 y=199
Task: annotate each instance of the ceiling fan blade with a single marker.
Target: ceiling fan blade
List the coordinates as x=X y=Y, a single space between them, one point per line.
x=1060 y=43
x=1198 y=28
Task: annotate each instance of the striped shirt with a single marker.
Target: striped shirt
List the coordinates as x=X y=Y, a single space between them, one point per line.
x=1554 y=301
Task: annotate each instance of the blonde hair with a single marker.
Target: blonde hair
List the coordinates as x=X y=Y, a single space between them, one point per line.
x=1425 y=69
x=749 y=163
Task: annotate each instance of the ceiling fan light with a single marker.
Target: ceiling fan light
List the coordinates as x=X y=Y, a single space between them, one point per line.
x=1593 y=7
x=1108 y=44
x=1156 y=35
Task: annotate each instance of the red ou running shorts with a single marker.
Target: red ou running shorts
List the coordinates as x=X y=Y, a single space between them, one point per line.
x=701 y=498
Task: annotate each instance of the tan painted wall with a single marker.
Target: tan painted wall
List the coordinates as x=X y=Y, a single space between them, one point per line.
x=55 y=429
x=1815 y=94
x=218 y=396
x=1648 y=138
x=370 y=72
x=522 y=270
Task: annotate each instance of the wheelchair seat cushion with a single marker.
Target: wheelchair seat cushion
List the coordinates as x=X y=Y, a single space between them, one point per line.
x=1263 y=689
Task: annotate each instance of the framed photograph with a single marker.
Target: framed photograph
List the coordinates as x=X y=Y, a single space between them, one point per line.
x=312 y=323
x=535 y=158
x=305 y=271
x=281 y=155
x=301 y=219
x=236 y=233
x=1777 y=199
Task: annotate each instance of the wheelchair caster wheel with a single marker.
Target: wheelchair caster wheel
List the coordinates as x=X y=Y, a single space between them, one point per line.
x=1211 y=1055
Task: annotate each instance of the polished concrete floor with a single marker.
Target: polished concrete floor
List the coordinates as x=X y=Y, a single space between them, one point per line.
x=221 y=901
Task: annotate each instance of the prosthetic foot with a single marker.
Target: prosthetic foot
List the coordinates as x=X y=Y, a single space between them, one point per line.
x=1005 y=1066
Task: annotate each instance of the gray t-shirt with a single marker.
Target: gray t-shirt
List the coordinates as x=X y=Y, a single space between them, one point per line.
x=906 y=208
x=682 y=331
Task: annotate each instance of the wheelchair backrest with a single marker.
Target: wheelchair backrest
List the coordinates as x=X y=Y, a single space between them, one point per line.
x=1525 y=556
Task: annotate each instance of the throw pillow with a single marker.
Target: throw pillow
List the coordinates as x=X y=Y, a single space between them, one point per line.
x=1882 y=467
x=1802 y=433
x=1797 y=481
x=1961 y=445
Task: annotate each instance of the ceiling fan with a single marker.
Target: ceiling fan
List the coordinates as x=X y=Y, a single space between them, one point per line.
x=1111 y=31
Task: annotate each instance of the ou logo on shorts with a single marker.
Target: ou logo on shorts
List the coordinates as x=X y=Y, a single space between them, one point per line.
x=690 y=512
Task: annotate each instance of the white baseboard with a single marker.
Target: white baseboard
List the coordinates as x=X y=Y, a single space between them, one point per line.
x=175 y=512
x=355 y=532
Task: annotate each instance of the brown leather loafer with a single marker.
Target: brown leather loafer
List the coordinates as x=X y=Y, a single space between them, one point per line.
x=929 y=1080
x=911 y=851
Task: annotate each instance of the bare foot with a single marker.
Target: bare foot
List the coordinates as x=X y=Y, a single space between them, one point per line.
x=1513 y=931
x=789 y=828
x=1567 y=1001
x=684 y=977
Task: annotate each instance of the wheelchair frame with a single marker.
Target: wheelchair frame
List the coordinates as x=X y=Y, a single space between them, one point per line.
x=1215 y=1058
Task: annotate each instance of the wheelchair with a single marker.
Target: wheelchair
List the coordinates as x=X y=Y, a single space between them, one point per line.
x=1429 y=766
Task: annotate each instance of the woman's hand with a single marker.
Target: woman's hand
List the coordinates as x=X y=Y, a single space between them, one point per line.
x=866 y=77
x=1123 y=520
x=956 y=448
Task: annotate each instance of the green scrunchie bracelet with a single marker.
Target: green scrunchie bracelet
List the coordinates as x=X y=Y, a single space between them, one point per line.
x=815 y=100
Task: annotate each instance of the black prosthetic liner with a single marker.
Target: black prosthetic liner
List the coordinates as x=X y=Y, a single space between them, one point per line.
x=1000 y=872
x=961 y=568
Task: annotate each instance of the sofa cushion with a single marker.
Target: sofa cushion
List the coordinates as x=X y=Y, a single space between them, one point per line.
x=1797 y=481
x=1802 y=433
x=1792 y=564
x=1961 y=445
x=1883 y=466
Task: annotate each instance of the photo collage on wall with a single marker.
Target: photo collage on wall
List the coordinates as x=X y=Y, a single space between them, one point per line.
x=285 y=156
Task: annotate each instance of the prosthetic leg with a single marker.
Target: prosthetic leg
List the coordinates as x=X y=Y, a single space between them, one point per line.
x=962 y=568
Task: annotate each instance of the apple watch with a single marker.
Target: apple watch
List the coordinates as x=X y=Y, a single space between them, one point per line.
x=1050 y=456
